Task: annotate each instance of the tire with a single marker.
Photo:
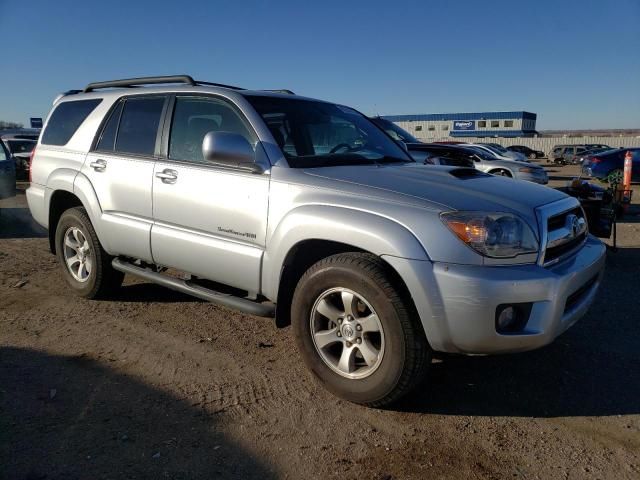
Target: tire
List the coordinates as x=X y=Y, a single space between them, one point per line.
x=532 y=156
x=98 y=279
x=502 y=173
x=403 y=354
x=615 y=176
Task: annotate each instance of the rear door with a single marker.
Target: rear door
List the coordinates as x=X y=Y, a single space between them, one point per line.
x=209 y=220
x=120 y=168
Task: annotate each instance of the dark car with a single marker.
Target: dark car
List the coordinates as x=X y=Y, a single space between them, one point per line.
x=438 y=154
x=20 y=143
x=7 y=173
x=609 y=165
x=394 y=131
x=428 y=153
x=563 y=154
x=579 y=157
x=529 y=152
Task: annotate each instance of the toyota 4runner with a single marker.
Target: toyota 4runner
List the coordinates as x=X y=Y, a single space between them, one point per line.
x=287 y=207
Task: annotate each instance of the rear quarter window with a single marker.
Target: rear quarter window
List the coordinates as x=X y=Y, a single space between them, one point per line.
x=66 y=119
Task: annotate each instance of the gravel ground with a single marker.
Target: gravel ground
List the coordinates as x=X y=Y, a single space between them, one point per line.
x=154 y=384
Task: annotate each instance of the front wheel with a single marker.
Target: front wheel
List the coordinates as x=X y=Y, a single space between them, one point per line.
x=532 y=156
x=357 y=331
x=86 y=266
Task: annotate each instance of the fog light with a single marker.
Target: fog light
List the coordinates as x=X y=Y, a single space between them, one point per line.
x=512 y=318
x=507 y=318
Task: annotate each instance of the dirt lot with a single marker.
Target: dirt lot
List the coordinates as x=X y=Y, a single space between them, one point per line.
x=158 y=385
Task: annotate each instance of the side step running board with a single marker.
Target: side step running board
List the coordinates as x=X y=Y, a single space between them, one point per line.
x=237 y=303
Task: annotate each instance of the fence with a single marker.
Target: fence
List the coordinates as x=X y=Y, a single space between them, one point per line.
x=546 y=144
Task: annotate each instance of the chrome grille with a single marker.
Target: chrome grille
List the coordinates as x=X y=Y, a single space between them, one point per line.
x=564 y=230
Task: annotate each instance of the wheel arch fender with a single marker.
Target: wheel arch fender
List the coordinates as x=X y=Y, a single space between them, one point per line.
x=363 y=230
x=72 y=183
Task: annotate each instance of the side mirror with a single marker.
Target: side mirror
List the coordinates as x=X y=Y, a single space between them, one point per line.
x=231 y=150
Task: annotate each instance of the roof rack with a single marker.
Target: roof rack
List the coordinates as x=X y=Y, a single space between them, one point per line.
x=280 y=90
x=199 y=82
x=136 y=82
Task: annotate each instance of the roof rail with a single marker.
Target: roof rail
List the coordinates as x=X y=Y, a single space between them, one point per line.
x=134 y=82
x=199 y=82
x=280 y=90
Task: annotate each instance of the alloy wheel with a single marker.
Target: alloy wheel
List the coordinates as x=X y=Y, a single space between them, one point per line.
x=347 y=333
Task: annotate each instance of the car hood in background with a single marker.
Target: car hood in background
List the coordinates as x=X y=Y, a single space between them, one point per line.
x=448 y=187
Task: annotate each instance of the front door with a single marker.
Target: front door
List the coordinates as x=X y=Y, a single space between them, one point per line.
x=120 y=168
x=209 y=221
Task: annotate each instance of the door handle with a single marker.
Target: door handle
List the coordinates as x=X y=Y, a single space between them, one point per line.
x=167 y=176
x=98 y=165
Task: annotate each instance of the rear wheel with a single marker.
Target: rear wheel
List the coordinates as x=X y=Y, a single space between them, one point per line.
x=86 y=266
x=357 y=332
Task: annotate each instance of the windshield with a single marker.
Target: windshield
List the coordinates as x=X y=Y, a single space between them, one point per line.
x=394 y=131
x=20 y=146
x=494 y=148
x=483 y=154
x=319 y=134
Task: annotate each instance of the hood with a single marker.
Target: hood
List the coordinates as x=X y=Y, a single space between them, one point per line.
x=444 y=188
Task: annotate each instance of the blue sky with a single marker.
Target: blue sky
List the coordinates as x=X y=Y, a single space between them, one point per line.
x=575 y=63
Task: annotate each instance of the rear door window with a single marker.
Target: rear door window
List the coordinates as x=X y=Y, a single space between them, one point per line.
x=108 y=138
x=66 y=119
x=138 y=127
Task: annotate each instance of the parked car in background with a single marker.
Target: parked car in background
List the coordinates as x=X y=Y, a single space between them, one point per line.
x=592 y=146
x=490 y=163
x=434 y=154
x=20 y=143
x=526 y=151
x=571 y=152
x=496 y=153
x=394 y=131
x=7 y=173
x=503 y=152
x=428 y=153
x=578 y=158
x=609 y=165
x=563 y=154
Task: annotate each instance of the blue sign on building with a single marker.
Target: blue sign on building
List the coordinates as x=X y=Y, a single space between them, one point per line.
x=36 y=122
x=464 y=125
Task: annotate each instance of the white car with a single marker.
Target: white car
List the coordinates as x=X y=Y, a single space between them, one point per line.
x=501 y=152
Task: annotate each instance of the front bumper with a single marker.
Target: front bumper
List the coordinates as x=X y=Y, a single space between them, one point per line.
x=457 y=303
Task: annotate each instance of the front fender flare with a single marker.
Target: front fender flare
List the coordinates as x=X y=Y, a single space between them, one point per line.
x=364 y=230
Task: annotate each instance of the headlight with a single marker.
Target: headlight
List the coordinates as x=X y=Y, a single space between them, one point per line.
x=492 y=234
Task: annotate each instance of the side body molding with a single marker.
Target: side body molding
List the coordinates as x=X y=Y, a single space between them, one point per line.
x=367 y=231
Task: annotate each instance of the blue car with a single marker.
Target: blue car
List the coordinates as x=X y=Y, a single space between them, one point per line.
x=7 y=173
x=608 y=166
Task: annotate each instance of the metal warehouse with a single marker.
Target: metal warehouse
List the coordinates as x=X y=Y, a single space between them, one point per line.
x=480 y=124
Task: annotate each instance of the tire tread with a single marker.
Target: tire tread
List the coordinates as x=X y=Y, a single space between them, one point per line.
x=417 y=350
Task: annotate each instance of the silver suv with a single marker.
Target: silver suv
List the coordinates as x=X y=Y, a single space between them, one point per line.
x=284 y=206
